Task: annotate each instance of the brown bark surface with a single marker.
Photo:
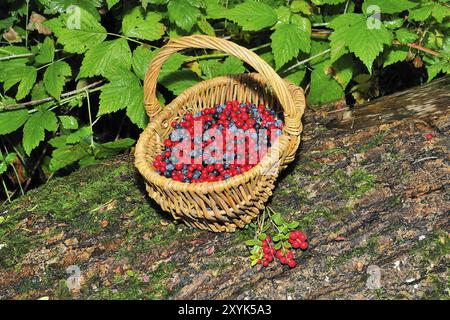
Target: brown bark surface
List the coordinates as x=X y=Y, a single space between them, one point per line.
x=375 y=197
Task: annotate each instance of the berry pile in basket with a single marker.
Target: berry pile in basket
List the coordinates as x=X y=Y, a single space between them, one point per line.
x=218 y=143
x=297 y=239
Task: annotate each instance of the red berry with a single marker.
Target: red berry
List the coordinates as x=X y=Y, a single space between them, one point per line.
x=302 y=237
x=265 y=263
x=292 y=263
x=296 y=244
x=283 y=260
x=429 y=137
x=303 y=245
x=267 y=250
x=268 y=239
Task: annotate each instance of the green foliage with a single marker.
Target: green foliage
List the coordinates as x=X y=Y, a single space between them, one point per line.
x=334 y=48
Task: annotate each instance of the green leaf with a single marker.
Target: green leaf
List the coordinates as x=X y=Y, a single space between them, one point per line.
x=301 y=6
x=252 y=242
x=262 y=236
x=278 y=219
x=253 y=16
x=103 y=56
x=293 y=224
x=440 y=12
x=77 y=36
x=289 y=39
x=69 y=122
x=75 y=137
x=147 y=27
x=179 y=81
x=405 y=36
x=215 y=68
x=439 y=66
x=421 y=13
x=323 y=87
x=352 y=32
x=206 y=27
x=46 y=52
x=214 y=10
x=62 y=157
x=183 y=14
x=395 y=55
x=54 y=78
x=61 y=6
x=111 y=3
x=13 y=73
x=389 y=6
x=124 y=91
x=12 y=120
x=344 y=68
x=112 y=148
x=34 y=129
x=297 y=76
x=142 y=56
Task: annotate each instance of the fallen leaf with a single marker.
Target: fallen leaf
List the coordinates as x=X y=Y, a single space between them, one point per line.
x=12 y=36
x=36 y=23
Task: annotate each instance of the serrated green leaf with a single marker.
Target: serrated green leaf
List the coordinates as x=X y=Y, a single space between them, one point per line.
x=137 y=24
x=421 y=13
x=109 y=149
x=297 y=76
x=252 y=15
x=352 y=32
x=405 y=36
x=46 y=52
x=35 y=127
x=289 y=39
x=344 y=68
x=206 y=27
x=14 y=72
x=100 y=58
x=124 y=91
x=179 y=81
x=389 y=6
x=183 y=14
x=69 y=122
x=214 y=10
x=111 y=3
x=77 y=35
x=62 y=157
x=54 y=78
x=77 y=136
x=323 y=87
x=301 y=6
x=61 y=6
x=12 y=120
x=395 y=55
x=440 y=12
x=215 y=68
x=142 y=56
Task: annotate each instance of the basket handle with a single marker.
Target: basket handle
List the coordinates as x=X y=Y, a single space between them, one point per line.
x=279 y=86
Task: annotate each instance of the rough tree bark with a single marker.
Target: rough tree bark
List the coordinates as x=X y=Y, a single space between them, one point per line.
x=374 y=197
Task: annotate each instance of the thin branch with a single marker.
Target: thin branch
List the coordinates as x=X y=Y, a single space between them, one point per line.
x=48 y=99
x=306 y=61
x=17 y=56
x=418 y=47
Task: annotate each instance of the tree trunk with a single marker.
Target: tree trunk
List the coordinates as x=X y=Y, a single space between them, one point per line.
x=368 y=188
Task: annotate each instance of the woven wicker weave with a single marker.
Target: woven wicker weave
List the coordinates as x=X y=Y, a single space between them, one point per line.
x=224 y=205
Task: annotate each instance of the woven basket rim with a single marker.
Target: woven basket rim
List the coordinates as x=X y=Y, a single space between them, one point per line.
x=146 y=167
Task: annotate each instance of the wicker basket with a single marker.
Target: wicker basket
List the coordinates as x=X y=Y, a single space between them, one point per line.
x=224 y=205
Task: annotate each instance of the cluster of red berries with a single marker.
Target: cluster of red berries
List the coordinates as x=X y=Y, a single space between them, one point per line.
x=286 y=257
x=218 y=143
